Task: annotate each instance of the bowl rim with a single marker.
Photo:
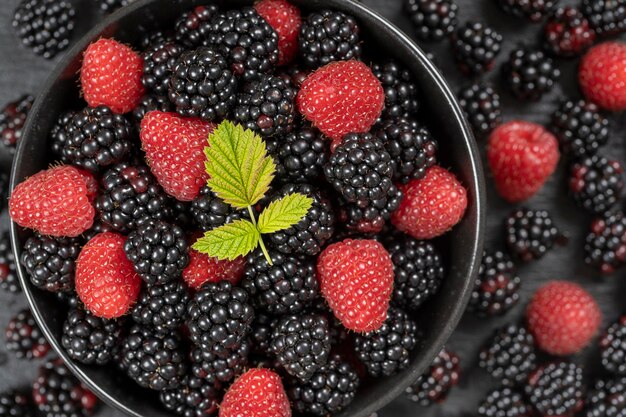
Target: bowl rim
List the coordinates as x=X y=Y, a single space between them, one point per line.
x=478 y=187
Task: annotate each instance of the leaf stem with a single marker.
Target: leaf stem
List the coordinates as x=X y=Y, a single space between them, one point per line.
x=261 y=243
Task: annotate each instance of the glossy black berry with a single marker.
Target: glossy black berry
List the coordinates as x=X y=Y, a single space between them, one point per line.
x=482 y=107
x=613 y=347
x=208 y=211
x=596 y=183
x=220 y=368
x=193 y=27
x=8 y=275
x=159 y=61
x=163 y=307
x=607 y=399
x=606 y=17
x=370 y=217
x=530 y=234
x=605 y=246
x=533 y=10
x=556 y=389
x=509 y=356
x=567 y=32
x=580 y=128
x=89 y=339
x=475 y=47
x=151 y=102
x=12 y=119
x=193 y=398
x=401 y=99
x=530 y=73
x=432 y=20
x=299 y=156
x=435 y=384
x=497 y=285
x=15 y=404
x=24 y=338
x=504 y=402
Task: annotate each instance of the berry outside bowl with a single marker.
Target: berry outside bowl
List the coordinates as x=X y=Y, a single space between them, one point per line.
x=462 y=247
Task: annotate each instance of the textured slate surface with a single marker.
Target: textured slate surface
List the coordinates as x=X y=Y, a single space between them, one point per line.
x=22 y=72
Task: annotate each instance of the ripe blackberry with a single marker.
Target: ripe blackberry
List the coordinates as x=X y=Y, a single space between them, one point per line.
x=154 y=360
x=482 y=107
x=556 y=389
x=24 y=338
x=605 y=246
x=12 y=120
x=607 y=399
x=209 y=211
x=432 y=20
x=89 y=339
x=504 y=402
x=370 y=217
x=411 y=146
x=606 y=17
x=202 y=85
x=222 y=368
x=59 y=135
x=159 y=251
x=69 y=299
x=163 y=307
x=155 y=36
x=301 y=344
x=8 y=277
x=433 y=386
x=386 y=351
x=45 y=26
x=193 y=27
x=267 y=106
x=580 y=128
x=151 y=102
x=310 y=234
x=475 y=47
x=50 y=261
x=261 y=334
x=530 y=234
x=109 y=6
x=299 y=156
x=219 y=317
x=510 y=355
x=613 y=347
x=329 y=390
x=533 y=10
x=159 y=61
x=567 y=32
x=193 y=398
x=530 y=73
x=596 y=183
x=497 y=285
x=327 y=36
x=400 y=90
x=15 y=404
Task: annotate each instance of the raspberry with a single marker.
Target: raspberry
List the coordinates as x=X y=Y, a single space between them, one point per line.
x=111 y=76
x=15 y=404
x=12 y=119
x=596 y=183
x=193 y=398
x=163 y=307
x=159 y=61
x=193 y=27
x=90 y=339
x=286 y=21
x=8 y=275
x=530 y=73
x=563 y=318
x=435 y=384
x=567 y=32
x=605 y=246
x=504 y=402
x=530 y=234
x=580 y=128
x=257 y=393
x=510 y=355
x=400 y=90
x=607 y=17
x=482 y=107
x=217 y=369
x=522 y=156
x=432 y=20
x=533 y=10
x=496 y=287
x=602 y=75
x=607 y=399
x=476 y=47
x=556 y=389
x=24 y=338
x=202 y=269
x=613 y=347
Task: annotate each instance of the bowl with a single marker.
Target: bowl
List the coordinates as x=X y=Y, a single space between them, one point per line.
x=461 y=248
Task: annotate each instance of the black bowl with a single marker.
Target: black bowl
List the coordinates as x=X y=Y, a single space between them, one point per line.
x=462 y=247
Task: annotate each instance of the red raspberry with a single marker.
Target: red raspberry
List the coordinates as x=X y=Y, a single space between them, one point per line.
x=174 y=148
x=602 y=75
x=202 y=269
x=55 y=202
x=522 y=156
x=342 y=97
x=431 y=205
x=285 y=19
x=106 y=281
x=356 y=279
x=563 y=317
x=111 y=76
x=257 y=393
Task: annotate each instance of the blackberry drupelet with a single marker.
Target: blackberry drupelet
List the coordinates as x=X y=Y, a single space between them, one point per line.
x=432 y=20
x=435 y=384
x=510 y=355
x=476 y=47
x=301 y=344
x=533 y=10
x=261 y=334
x=482 y=107
x=267 y=106
x=530 y=234
x=497 y=285
x=596 y=183
x=372 y=217
x=50 y=261
x=400 y=90
x=208 y=211
x=613 y=347
x=24 y=338
x=605 y=246
x=386 y=351
x=504 y=402
x=327 y=36
x=45 y=26
x=109 y=6
x=154 y=360
x=15 y=404
x=69 y=299
x=556 y=389
x=194 y=398
x=163 y=307
x=89 y=339
x=202 y=85
x=331 y=389
x=607 y=399
x=567 y=32
x=530 y=73
x=155 y=36
x=59 y=135
x=606 y=17
x=299 y=156
x=158 y=251
x=149 y=103
x=193 y=27
x=159 y=61
x=8 y=275
x=309 y=235
x=12 y=119
x=217 y=369
x=580 y=128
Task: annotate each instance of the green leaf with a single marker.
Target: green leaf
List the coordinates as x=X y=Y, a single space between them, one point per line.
x=240 y=170
x=284 y=213
x=229 y=241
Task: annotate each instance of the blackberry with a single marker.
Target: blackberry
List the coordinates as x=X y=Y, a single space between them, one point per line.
x=327 y=36
x=433 y=386
x=89 y=339
x=149 y=103
x=386 y=351
x=475 y=47
x=556 y=389
x=193 y=398
x=411 y=146
x=329 y=390
x=8 y=276
x=154 y=360
x=580 y=128
x=606 y=17
x=15 y=404
x=51 y=261
x=12 y=120
x=605 y=245
x=24 y=338
x=68 y=299
x=504 y=402
x=482 y=107
x=155 y=36
x=59 y=135
x=310 y=234
x=247 y=41
x=159 y=61
x=497 y=285
x=294 y=73
x=299 y=156
x=109 y=6
x=371 y=217
x=567 y=32
x=530 y=234
x=45 y=26
x=530 y=73
x=613 y=347
x=219 y=317
x=208 y=211
x=164 y=307
x=158 y=251
x=261 y=334
x=193 y=27
x=301 y=344
x=400 y=90
x=432 y=20
x=596 y=183
x=218 y=369
x=533 y=10
x=510 y=355
x=607 y=399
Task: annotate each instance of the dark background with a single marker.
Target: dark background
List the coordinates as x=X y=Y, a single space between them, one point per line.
x=22 y=72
